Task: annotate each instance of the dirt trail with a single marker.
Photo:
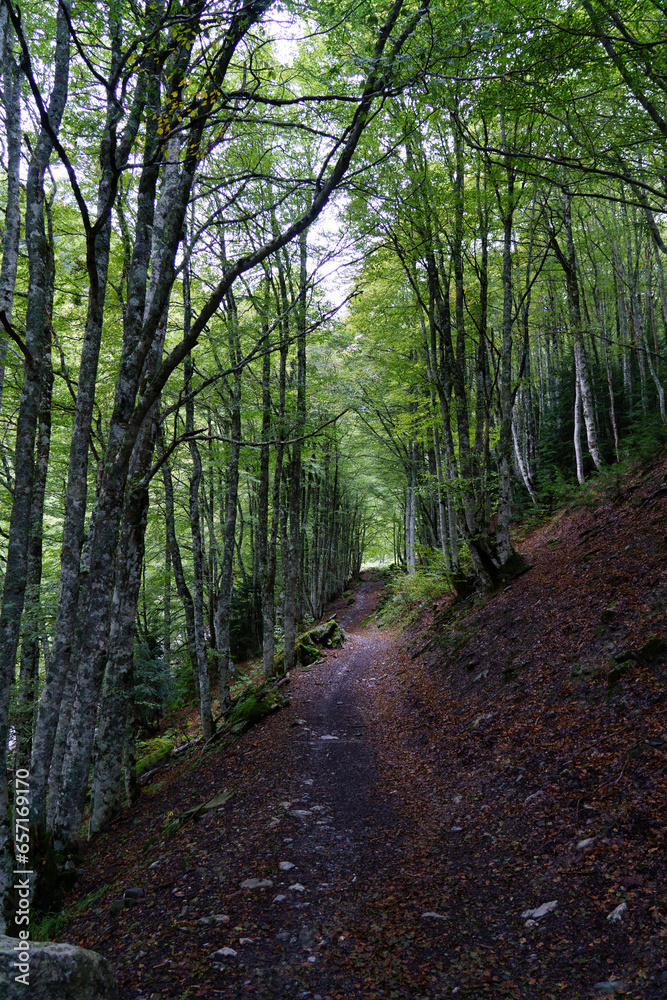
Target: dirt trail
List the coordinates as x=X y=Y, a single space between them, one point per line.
x=308 y=791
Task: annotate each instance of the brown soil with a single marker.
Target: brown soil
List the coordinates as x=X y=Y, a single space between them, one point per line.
x=460 y=782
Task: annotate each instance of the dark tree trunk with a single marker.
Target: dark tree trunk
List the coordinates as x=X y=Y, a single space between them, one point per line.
x=32 y=624
x=36 y=333
x=11 y=99
x=294 y=492
x=51 y=717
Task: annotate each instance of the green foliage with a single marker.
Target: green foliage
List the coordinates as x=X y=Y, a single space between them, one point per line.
x=182 y=682
x=646 y=436
x=152 y=683
x=51 y=926
x=408 y=594
x=150 y=753
x=253 y=709
x=245 y=621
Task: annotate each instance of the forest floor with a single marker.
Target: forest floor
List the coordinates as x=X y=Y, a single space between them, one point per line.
x=411 y=804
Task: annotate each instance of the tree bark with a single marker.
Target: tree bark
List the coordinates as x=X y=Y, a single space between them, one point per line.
x=205 y=713
x=32 y=622
x=50 y=717
x=175 y=558
x=569 y=264
x=223 y=609
x=11 y=99
x=294 y=493
x=26 y=428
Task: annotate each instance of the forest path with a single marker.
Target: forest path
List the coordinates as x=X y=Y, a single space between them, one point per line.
x=310 y=789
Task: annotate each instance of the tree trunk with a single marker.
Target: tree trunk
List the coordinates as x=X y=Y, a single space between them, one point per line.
x=175 y=558
x=32 y=623
x=50 y=716
x=11 y=99
x=115 y=728
x=107 y=786
x=569 y=265
x=262 y=533
x=36 y=324
x=223 y=610
x=506 y=553
x=577 y=432
x=205 y=712
x=294 y=493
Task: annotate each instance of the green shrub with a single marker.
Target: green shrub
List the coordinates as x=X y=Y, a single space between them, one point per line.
x=51 y=926
x=152 y=683
x=407 y=594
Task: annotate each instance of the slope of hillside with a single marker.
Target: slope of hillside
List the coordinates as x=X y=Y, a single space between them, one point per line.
x=421 y=793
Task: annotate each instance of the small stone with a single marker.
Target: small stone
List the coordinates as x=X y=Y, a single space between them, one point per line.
x=206 y=921
x=312 y=958
x=221 y=918
x=457 y=829
x=432 y=915
x=457 y=800
x=531 y=923
x=327 y=737
x=286 y=866
x=135 y=893
x=117 y=906
x=256 y=883
x=617 y=914
x=583 y=844
x=540 y=911
x=279 y=898
x=482 y=718
x=217 y=956
x=297 y=887
x=612 y=986
x=246 y=941
x=301 y=813
x=132 y=896
x=283 y=936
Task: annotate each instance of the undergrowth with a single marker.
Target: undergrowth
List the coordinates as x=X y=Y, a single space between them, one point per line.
x=51 y=925
x=407 y=594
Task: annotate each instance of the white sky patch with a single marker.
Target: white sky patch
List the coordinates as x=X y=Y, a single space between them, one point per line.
x=286 y=33
x=333 y=255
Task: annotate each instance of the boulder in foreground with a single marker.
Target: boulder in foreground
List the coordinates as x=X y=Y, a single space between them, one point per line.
x=53 y=972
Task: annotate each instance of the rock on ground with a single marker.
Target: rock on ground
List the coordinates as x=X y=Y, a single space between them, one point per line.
x=53 y=972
